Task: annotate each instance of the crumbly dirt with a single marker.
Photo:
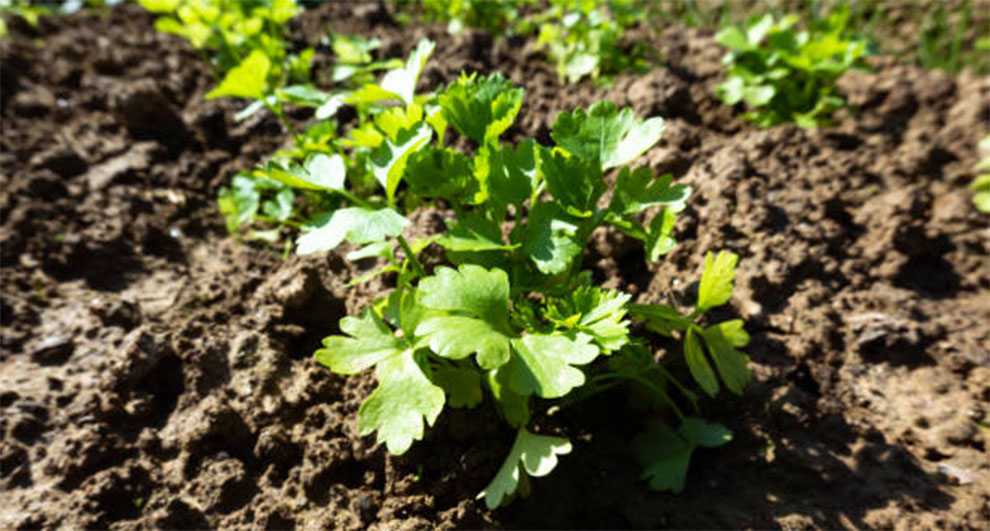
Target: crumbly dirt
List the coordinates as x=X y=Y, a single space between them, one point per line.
x=157 y=373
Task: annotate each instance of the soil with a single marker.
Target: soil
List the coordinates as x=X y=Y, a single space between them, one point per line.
x=157 y=373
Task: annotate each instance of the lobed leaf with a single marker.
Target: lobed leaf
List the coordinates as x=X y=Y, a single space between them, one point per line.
x=471 y=314
x=404 y=398
x=481 y=109
x=544 y=364
x=369 y=341
x=605 y=135
x=535 y=455
x=665 y=453
x=355 y=224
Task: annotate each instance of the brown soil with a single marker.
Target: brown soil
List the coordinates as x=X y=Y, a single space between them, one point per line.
x=156 y=373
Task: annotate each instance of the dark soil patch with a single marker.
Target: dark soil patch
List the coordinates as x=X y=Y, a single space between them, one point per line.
x=156 y=373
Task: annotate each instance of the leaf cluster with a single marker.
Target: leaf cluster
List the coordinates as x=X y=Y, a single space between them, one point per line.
x=513 y=322
x=786 y=75
x=496 y=17
x=323 y=169
x=584 y=38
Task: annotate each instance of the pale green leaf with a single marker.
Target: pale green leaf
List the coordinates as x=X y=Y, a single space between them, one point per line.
x=731 y=37
x=715 y=288
x=356 y=225
x=402 y=81
x=246 y=80
x=326 y=171
x=457 y=337
x=531 y=454
x=160 y=6
x=368 y=341
x=388 y=161
x=403 y=399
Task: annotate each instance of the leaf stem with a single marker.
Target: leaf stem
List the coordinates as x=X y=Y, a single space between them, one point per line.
x=411 y=256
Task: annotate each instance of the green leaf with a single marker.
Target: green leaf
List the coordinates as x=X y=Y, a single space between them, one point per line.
x=698 y=364
x=508 y=175
x=457 y=337
x=402 y=81
x=637 y=190
x=403 y=399
x=320 y=172
x=306 y=95
x=469 y=289
x=239 y=203
x=329 y=108
x=514 y=406
x=246 y=80
x=356 y=225
x=716 y=280
x=383 y=249
x=760 y=95
x=604 y=135
x=160 y=6
x=388 y=161
x=660 y=238
x=394 y=120
x=474 y=233
x=471 y=314
x=665 y=454
x=731 y=90
x=576 y=183
x=531 y=454
x=734 y=332
x=280 y=207
x=481 y=109
x=758 y=29
x=440 y=172
x=371 y=93
x=462 y=385
x=544 y=364
x=981 y=188
x=731 y=364
x=731 y=37
x=326 y=171
x=550 y=239
x=370 y=342
x=594 y=311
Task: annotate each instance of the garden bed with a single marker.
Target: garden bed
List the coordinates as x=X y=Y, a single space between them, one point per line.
x=157 y=373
